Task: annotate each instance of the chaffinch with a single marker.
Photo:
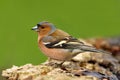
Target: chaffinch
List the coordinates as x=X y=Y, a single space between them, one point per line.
x=58 y=44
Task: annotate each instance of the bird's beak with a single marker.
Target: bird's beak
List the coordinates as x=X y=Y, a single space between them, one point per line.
x=35 y=28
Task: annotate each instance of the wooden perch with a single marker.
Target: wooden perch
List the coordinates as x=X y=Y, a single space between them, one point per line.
x=85 y=66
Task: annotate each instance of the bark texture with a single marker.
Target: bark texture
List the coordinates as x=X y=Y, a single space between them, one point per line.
x=84 y=66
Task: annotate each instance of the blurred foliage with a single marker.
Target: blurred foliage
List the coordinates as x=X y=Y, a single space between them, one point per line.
x=80 y=18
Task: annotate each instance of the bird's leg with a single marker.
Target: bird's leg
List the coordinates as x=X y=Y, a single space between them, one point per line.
x=53 y=62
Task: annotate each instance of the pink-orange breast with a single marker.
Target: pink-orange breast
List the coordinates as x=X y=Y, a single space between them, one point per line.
x=59 y=54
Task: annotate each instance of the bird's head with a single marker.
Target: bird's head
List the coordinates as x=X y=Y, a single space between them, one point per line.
x=44 y=28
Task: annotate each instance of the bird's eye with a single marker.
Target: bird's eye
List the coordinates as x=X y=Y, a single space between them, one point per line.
x=42 y=27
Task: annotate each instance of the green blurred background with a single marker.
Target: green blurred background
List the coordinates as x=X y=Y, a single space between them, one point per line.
x=80 y=18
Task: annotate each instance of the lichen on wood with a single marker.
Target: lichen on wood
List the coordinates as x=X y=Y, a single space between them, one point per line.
x=84 y=66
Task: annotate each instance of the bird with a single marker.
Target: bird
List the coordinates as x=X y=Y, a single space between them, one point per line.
x=58 y=44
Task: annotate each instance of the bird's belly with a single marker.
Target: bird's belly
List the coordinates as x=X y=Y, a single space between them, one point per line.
x=59 y=54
